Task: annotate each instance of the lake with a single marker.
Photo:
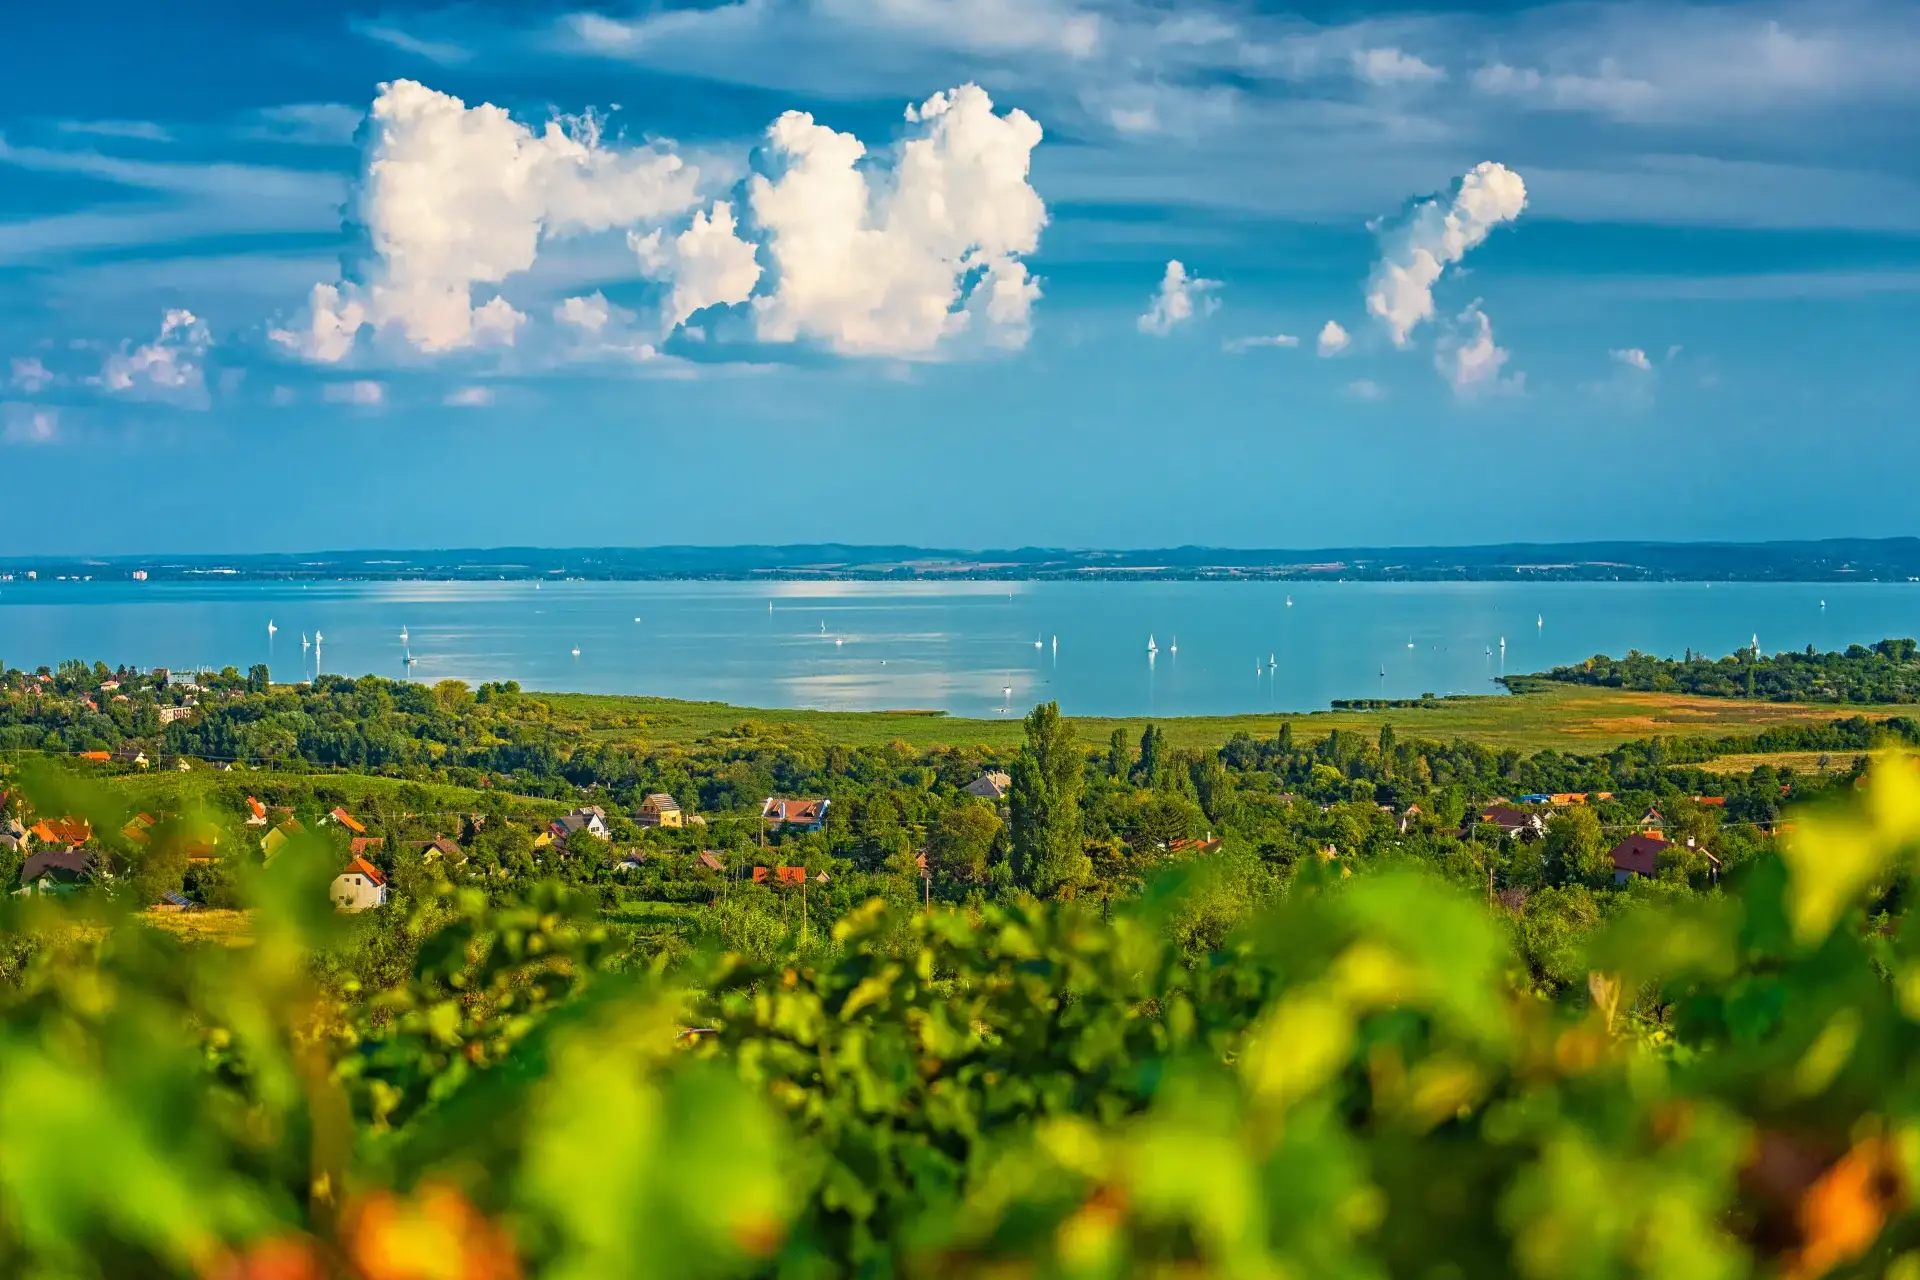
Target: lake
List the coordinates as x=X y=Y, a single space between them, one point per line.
x=959 y=647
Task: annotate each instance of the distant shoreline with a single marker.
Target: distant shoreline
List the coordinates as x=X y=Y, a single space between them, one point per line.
x=1829 y=560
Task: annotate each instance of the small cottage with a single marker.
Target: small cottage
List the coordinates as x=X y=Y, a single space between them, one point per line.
x=361 y=887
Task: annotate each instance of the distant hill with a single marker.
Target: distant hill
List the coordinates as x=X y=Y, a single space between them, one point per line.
x=1831 y=560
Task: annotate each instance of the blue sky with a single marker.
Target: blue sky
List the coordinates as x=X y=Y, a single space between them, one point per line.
x=283 y=277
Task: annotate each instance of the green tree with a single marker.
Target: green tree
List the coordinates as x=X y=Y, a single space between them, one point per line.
x=960 y=846
x=1118 y=754
x=1048 y=777
x=258 y=680
x=1153 y=745
x=1576 y=848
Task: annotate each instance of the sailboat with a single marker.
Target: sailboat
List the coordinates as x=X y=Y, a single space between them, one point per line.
x=1409 y=642
x=1056 y=646
x=1036 y=642
x=1756 y=644
x=1539 y=619
x=576 y=651
x=1289 y=602
x=403 y=633
x=1151 y=646
x=271 y=628
x=837 y=642
x=1175 y=646
x=305 y=643
x=1271 y=664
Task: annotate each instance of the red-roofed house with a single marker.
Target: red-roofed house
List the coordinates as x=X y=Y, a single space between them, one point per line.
x=711 y=863
x=799 y=815
x=256 y=813
x=366 y=844
x=1638 y=855
x=346 y=820
x=361 y=887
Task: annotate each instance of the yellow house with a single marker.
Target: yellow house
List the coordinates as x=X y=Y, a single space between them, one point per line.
x=661 y=810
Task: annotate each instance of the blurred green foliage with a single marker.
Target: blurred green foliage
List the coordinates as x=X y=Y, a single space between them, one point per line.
x=1366 y=1078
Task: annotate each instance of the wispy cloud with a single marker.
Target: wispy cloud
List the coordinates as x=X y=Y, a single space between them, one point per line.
x=138 y=130
x=1633 y=358
x=362 y=394
x=303 y=124
x=468 y=398
x=1391 y=66
x=1240 y=346
x=1366 y=389
x=31 y=375
x=445 y=52
x=28 y=424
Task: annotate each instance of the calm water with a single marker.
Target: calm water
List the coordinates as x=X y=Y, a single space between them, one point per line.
x=953 y=646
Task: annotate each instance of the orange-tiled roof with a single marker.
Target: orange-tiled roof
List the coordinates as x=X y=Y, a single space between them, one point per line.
x=361 y=866
x=257 y=809
x=360 y=844
x=98 y=757
x=796 y=811
x=348 y=821
x=67 y=830
x=711 y=863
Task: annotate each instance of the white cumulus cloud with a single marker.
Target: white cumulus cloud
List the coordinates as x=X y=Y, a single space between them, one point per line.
x=31 y=375
x=455 y=198
x=602 y=329
x=708 y=264
x=1239 y=346
x=168 y=368
x=364 y=394
x=1179 y=298
x=1391 y=66
x=1470 y=360
x=28 y=424
x=469 y=397
x=1438 y=233
x=894 y=257
x=1633 y=358
x=1333 y=339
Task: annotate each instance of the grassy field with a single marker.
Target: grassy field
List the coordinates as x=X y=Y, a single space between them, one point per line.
x=1564 y=717
x=1798 y=761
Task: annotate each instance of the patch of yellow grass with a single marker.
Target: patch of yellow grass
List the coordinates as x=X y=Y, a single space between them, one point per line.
x=223 y=928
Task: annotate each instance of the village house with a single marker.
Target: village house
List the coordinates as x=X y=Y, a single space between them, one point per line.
x=276 y=839
x=661 y=810
x=1524 y=825
x=340 y=817
x=991 y=785
x=97 y=757
x=168 y=715
x=131 y=755
x=1639 y=855
x=441 y=847
x=366 y=844
x=256 y=813
x=711 y=861
x=361 y=887
x=795 y=815
x=138 y=828
x=64 y=870
x=64 y=833
x=592 y=820
x=14 y=836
